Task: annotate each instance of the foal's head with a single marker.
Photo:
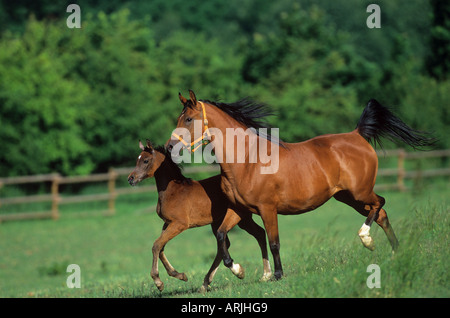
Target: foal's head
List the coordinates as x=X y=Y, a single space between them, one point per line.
x=147 y=163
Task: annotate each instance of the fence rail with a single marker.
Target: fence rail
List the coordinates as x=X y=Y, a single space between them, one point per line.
x=57 y=199
x=402 y=174
x=56 y=180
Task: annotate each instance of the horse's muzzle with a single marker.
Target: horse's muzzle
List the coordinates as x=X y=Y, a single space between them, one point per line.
x=131 y=180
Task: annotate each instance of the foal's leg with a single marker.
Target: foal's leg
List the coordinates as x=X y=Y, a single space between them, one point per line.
x=169 y=232
x=230 y=220
x=169 y=268
x=252 y=228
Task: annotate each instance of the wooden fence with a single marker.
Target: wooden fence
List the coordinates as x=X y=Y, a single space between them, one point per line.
x=401 y=173
x=56 y=180
x=57 y=199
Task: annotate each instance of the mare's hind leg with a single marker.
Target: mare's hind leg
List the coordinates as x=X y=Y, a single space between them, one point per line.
x=383 y=221
x=371 y=207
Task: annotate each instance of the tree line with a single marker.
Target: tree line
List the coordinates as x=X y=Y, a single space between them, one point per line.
x=77 y=101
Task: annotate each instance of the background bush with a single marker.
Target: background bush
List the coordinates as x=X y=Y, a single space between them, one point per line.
x=76 y=101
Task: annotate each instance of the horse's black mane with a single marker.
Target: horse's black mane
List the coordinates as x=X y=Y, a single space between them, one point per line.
x=246 y=111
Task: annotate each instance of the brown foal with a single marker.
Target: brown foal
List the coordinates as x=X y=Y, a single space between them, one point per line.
x=183 y=204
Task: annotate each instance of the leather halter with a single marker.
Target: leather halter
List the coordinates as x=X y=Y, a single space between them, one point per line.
x=201 y=140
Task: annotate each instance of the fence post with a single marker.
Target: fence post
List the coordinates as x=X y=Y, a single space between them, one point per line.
x=401 y=170
x=112 y=191
x=55 y=196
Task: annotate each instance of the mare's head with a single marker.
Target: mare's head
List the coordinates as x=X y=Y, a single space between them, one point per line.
x=245 y=112
x=146 y=164
x=193 y=111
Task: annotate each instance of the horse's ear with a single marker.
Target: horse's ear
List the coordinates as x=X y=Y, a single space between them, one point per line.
x=182 y=99
x=149 y=145
x=193 y=98
x=141 y=145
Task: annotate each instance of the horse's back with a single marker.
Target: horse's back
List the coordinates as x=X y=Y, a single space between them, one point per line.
x=333 y=149
x=318 y=168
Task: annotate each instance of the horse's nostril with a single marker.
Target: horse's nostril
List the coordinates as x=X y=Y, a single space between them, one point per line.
x=169 y=148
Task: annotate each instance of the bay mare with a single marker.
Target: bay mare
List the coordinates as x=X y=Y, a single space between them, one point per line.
x=343 y=166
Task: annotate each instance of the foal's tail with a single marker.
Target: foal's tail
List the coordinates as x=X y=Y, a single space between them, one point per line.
x=377 y=121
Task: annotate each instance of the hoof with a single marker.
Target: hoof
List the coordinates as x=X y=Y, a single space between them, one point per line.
x=368 y=242
x=204 y=289
x=238 y=271
x=160 y=286
x=182 y=276
x=266 y=277
x=278 y=275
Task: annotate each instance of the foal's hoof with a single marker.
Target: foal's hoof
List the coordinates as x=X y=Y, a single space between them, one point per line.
x=182 y=276
x=160 y=286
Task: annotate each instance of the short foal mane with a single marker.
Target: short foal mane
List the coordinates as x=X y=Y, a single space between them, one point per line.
x=174 y=168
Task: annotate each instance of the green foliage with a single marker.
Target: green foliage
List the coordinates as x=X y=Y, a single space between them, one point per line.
x=439 y=59
x=76 y=101
x=309 y=74
x=40 y=106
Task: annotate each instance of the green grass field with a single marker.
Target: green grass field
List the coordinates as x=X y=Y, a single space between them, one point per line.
x=321 y=253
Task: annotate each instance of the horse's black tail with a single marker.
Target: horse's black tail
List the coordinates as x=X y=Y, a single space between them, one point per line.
x=378 y=121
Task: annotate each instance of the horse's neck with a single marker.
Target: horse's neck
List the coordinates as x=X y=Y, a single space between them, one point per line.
x=222 y=121
x=166 y=172
x=262 y=161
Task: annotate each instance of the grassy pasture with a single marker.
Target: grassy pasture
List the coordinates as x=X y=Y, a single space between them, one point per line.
x=321 y=253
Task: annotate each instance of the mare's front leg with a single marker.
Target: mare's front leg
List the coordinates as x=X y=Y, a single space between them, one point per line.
x=270 y=220
x=169 y=232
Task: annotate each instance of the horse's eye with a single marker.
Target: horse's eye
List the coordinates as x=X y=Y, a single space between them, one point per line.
x=146 y=161
x=188 y=119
